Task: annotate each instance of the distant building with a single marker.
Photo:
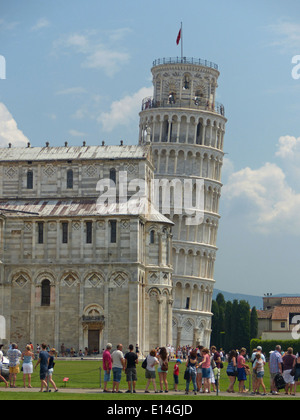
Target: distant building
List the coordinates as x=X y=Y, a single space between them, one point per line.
x=278 y=318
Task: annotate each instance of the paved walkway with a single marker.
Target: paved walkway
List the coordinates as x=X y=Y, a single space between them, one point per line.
x=141 y=392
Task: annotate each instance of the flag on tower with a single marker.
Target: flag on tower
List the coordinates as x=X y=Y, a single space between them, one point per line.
x=178 y=37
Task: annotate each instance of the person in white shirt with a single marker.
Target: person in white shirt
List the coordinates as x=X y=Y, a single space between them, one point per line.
x=1 y=363
x=118 y=364
x=152 y=361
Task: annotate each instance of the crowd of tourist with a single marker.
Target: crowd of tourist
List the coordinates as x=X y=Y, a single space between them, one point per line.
x=201 y=368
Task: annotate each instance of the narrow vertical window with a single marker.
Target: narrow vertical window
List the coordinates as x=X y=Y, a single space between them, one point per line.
x=65 y=233
x=113 y=175
x=40 y=232
x=152 y=237
x=113 y=231
x=187 y=305
x=29 y=180
x=70 y=179
x=89 y=232
x=46 y=293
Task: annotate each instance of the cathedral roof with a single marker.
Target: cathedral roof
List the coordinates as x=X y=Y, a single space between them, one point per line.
x=13 y=154
x=66 y=208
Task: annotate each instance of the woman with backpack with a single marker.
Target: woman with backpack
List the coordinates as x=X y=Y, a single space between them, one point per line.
x=163 y=369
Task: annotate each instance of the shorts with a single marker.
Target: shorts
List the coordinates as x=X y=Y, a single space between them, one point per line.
x=43 y=374
x=260 y=375
x=131 y=375
x=27 y=368
x=206 y=373
x=176 y=379
x=107 y=376
x=117 y=374
x=14 y=369
x=242 y=374
x=161 y=371
x=150 y=374
x=50 y=372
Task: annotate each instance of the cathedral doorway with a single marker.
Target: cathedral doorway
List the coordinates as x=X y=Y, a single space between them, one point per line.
x=93 y=324
x=94 y=341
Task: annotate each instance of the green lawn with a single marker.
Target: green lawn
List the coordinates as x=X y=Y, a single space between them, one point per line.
x=86 y=375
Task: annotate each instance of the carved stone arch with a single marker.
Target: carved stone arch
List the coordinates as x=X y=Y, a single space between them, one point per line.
x=93 y=310
x=44 y=274
x=154 y=293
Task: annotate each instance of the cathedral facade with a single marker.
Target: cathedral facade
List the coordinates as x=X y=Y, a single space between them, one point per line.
x=77 y=266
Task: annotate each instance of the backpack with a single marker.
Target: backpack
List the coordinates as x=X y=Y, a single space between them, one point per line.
x=165 y=366
x=279 y=381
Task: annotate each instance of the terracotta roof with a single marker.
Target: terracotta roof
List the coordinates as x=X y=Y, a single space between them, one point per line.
x=282 y=312
x=295 y=300
x=264 y=314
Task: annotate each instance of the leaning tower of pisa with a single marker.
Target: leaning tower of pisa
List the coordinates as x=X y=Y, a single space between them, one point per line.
x=186 y=127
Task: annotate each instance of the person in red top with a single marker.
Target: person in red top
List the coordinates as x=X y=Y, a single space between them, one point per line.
x=107 y=366
x=176 y=374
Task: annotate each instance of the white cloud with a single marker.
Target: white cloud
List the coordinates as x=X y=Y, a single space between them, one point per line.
x=9 y=132
x=124 y=111
x=97 y=55
x=287 y=35
x=264 y=197
x=76 y=133
x=40 y=24
x=288 y=147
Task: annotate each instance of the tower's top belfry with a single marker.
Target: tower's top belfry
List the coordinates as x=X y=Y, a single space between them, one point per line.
x=185 y=89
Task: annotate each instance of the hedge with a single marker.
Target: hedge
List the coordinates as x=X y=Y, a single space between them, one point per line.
x=269 y=345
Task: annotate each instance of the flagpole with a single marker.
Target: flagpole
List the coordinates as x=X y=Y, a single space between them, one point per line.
x=181 y=43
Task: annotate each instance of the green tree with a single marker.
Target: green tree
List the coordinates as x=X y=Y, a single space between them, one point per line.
x=253 y=323
x=215 y=324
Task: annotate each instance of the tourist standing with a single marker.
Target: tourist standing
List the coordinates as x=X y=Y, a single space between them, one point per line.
x=191 y=365
x=163 y=369
x=176 y=374
x=199 y=369
x=131 y=360
x=43 y=361
x=259 y=368
x=275 y=366
x=296 y=368
x=118 y=364
x=241 y=368
x=232 y=370
x=205 y=364
x=13 y=356
x=27 y=358
x=107 y=366
x=288 y=363
x=1 y=363
x=152 y=361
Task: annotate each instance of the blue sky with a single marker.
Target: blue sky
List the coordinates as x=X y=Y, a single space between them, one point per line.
x=77 y=71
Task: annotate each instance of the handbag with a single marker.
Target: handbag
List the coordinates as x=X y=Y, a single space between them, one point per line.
x=187 y=374
x=144 y=364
